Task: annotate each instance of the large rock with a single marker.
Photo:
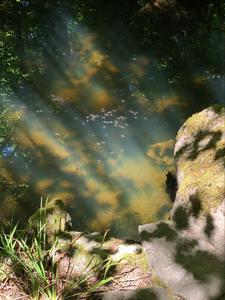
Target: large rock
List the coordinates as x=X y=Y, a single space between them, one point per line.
x=187 y=253
x=199 y=156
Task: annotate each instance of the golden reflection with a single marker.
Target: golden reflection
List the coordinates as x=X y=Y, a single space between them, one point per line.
x=108 y=197
x=103 y=220
x=25 y=141
x=163 y=104
x=68 y=94
x=92 y=186
x=96 y=58
x=110 y=67
x=159 y=152
x=44 y=184
x=148 y=193
x=100 y=98
x=81 y=84
x=139 y=171
x=87 y=41
x=148 y=204
x=42 y=139
x=60 y=131
x=73 y=169
x=65 y=184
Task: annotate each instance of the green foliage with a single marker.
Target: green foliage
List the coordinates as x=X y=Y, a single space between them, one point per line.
x=28 y=257
x=32 y=264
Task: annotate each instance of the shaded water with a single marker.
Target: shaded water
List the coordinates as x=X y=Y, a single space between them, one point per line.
x=103 y=141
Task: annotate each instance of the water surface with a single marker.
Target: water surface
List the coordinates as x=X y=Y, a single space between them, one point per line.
x=102 y=140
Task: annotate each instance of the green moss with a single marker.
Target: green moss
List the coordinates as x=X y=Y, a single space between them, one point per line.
x=200 y=159
x=139 y=260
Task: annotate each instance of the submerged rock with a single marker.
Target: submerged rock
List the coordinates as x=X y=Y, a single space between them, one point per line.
x=187 y=253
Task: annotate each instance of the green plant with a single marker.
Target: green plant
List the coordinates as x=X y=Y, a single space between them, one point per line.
x=32 y=265
x=30 y=260
x=83 y=285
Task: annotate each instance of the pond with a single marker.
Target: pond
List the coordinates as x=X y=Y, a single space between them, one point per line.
x=102 y=139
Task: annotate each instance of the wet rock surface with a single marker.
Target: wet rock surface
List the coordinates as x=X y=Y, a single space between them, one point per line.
x=187 y=253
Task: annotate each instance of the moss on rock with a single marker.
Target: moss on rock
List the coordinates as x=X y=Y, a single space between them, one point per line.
x=199 y=146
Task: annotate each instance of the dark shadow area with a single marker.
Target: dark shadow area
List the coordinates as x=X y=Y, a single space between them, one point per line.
x=196 y=205
x=195 y=148
x=209 y=228
x=143 y=294
x=214 y=137
x=180 y=218
x=220 y=154
x=171 y=185
x=201 y=264
x=163 y=230
x=181 y=151
x=139 y=294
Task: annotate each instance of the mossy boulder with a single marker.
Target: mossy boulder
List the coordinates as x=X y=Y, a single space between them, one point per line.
x=199 y=157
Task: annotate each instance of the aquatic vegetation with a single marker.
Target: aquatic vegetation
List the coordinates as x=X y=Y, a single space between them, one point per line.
x=160 y=152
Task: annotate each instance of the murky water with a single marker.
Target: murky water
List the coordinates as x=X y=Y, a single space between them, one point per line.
x=103 y=142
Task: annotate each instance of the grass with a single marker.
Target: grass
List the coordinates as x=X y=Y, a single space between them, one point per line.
x=32 y=265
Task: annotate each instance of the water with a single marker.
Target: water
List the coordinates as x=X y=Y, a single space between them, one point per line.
x=103 y=140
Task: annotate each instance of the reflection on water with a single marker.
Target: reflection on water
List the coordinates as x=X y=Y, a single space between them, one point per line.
x=105 y=142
